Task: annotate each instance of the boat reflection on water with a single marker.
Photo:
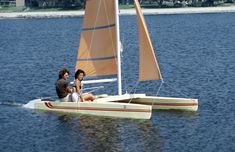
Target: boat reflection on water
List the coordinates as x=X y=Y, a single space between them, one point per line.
x=91 y=133
x=179 y=113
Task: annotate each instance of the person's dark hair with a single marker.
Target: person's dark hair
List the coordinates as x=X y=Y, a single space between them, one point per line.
x=78 y=72
x=62 y=72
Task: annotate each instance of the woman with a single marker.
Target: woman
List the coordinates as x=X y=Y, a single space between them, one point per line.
x=79 y=75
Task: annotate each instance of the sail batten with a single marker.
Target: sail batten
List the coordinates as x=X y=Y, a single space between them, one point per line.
x=148 y=66
x=93 y=59
x=98 y=27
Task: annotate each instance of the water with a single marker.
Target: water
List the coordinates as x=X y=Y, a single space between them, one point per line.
x=196 y=57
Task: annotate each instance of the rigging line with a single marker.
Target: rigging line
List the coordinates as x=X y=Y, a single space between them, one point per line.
x=110 y=33
x=92 y=88
x=135 y=88
x=125 y=79
x=178 y=91
x=159 y=87
x=124 y=74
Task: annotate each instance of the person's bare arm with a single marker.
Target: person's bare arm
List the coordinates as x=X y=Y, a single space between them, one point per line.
x=78 y=84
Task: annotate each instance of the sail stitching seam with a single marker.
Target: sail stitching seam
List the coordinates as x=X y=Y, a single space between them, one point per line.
x=92 y=37
x=109 y=29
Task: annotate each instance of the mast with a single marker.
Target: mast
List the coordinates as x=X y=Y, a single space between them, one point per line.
x=118 y=49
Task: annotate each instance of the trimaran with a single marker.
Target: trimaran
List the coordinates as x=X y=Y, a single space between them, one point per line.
x=99 y=55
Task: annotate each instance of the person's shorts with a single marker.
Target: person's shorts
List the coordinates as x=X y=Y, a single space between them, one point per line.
x=75 y=97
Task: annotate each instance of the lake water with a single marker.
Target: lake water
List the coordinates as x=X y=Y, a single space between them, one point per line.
x=196 y=54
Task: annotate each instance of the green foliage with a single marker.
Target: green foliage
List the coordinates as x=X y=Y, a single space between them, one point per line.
x=64 y=4
x=126 y=6
x=7 y=9
x=55 y=5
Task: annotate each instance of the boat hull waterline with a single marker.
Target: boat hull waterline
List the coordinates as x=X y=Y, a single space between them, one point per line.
x=109 y=109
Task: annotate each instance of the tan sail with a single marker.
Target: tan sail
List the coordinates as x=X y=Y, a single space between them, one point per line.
x=148 y=66
x=97 y=50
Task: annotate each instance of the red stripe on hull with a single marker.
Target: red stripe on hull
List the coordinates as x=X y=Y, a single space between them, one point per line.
x=160 y=104
x=94 y=109
x=48 y=105
x=176 y=104
x=169 y=104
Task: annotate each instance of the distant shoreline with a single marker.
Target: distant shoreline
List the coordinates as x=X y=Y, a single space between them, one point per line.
x=79 y=13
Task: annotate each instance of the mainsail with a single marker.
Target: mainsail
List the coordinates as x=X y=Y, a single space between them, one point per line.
x=148 y=66
x=97 y=51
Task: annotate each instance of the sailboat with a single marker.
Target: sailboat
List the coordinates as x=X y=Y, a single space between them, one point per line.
x=99 y=55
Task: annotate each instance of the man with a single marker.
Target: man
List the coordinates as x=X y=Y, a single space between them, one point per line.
x=62 y=89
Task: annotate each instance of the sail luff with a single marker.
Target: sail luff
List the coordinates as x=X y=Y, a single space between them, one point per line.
x=148 y=66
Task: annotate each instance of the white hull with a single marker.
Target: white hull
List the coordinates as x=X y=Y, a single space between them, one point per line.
x=157 y=103
x=167 y=103
x=109 y=109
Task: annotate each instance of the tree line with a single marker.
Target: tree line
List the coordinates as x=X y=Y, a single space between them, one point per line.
x=79 y=4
